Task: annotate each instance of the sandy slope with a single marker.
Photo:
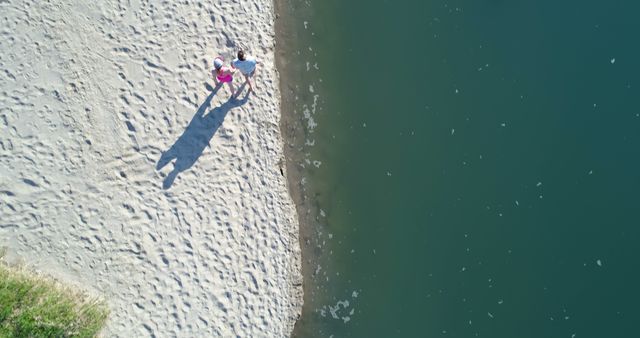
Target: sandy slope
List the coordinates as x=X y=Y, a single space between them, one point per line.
x=122 y=172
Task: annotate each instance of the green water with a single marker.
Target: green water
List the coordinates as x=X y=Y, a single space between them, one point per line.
x=479 y=167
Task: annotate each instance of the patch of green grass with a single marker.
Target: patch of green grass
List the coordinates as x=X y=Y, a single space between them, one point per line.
x=35 y=306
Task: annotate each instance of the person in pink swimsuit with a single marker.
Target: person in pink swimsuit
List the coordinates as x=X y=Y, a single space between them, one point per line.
x=222 y=73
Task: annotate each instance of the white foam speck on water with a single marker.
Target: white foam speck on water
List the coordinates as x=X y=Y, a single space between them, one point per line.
x=317 y=163
x=453 y=131
x=517 y=204
x=500 y=302
x=315 y=65
x=599 y=262
x=490 y=314
x=354 y=294
x=457 y=91
x=314 y=105
x=538 y=184
x=613 y=60
x=311 y=123
x=323 y=214
x=344 y=304
x=311 y=89
x=463 y=269
x=503 y=124
x=306 y=24
x=309 y=142
x=590 y=172
x=308 y=66
x=364 y=125
x=388 y=173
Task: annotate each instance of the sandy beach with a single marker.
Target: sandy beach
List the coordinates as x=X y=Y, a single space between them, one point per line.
x=126 y=172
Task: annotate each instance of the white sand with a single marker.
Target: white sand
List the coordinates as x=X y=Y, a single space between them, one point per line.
x=91 y=97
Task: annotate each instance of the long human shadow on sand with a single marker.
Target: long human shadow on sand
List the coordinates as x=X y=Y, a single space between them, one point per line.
x=190 y=145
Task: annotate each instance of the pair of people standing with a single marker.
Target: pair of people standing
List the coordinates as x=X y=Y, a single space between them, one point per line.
x=245 y=64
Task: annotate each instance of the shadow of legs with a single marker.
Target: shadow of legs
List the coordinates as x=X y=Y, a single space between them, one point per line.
x=196 y=137
x=168 y=181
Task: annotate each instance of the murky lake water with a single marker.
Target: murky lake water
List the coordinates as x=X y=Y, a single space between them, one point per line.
x=469 y=168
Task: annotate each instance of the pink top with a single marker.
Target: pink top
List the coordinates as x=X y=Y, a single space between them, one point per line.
x=223 y=74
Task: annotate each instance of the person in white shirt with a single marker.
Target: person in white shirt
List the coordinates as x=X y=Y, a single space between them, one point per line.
x=246 y=65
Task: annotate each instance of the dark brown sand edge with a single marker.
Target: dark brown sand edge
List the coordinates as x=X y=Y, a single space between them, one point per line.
x=292 y=130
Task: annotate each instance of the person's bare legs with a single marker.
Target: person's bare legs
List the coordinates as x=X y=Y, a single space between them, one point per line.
x=248 y=81
x=233 y=90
